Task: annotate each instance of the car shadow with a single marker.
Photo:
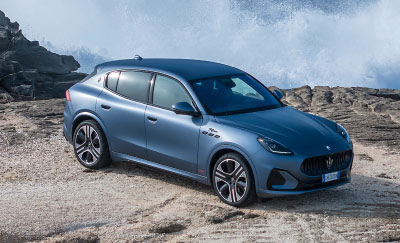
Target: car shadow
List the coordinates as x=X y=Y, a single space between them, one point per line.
x=364 y=197
x=132 y=169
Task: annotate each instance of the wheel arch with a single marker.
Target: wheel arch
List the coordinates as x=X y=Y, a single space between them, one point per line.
x=224 y=149
x=83 y=116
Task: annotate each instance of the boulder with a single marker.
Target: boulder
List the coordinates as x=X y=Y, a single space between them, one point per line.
x=23 y=90
x=8 y=67
x=70 y=61
x=39 y=59
x=30 y=70
x=5 y=97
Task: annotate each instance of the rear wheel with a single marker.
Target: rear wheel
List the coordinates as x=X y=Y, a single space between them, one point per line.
x=233 y=181
x=90 y=145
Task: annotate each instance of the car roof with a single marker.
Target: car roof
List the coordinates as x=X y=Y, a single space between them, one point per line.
x=187 y=69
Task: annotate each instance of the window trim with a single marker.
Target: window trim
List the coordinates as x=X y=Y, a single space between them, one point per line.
x=150 y=89
x=126 y=97
x=106 y=81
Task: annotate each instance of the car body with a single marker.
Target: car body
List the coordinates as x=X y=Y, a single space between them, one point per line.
x=285 y=151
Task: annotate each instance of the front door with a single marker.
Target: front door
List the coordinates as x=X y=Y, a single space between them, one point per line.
x=172 y=139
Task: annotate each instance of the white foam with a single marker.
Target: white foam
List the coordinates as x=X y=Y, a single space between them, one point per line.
x=284 y=44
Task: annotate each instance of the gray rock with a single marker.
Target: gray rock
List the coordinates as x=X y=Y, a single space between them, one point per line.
x=3 y=19
x=28 y=69
x=14 y=25
x=23 y=90
x=372 y=116
x=7 y=67
x=39 y=59
x=4 y=38
x=5 y=97
x=10 y=81
x=70 y=62
x=61 y=87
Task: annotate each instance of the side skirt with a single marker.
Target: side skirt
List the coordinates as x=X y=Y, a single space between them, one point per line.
x=123 y=157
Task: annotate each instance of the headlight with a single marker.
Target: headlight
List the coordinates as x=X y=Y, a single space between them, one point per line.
x=273 y=147
x=342 y=131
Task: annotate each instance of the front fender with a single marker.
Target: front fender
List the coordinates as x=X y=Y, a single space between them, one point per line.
x=237 y=149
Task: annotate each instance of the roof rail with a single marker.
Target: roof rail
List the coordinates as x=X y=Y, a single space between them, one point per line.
x=137 y=57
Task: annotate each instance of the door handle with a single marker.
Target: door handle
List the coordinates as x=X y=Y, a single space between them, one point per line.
x=152 y=119
x=106 y=107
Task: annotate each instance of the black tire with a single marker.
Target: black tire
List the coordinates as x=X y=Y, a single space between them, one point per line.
x=91 y=151
x=233 y=180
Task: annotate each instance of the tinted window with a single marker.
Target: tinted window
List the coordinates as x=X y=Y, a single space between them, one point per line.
x=112 y=80
x=168 y=92
x=134 y=85
x=233 y=94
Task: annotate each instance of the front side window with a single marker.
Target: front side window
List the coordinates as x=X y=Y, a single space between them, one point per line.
x=233 y=94
x=168 y=92
x=134 y=85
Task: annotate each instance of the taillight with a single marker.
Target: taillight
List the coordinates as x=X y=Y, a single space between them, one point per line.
x=67 y=95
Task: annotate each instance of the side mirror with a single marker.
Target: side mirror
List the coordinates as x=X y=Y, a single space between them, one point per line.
x=185 y=108
x=278 y=94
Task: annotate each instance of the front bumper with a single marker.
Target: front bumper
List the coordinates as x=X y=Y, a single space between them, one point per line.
x=270 y=193
x=291 y=180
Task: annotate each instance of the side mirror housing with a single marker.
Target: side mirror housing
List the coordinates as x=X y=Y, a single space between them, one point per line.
x=184 y=108
x=278 y=94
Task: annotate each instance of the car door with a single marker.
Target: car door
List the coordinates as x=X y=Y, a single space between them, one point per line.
x=172 y=139
x=121 y=107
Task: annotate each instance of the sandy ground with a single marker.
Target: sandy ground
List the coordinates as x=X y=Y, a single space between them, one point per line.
x=46 y=195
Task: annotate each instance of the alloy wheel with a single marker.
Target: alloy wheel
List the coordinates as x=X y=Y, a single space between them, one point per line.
x=87 y=144
x=231 y=180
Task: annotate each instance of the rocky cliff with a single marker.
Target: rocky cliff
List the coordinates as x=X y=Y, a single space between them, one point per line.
x=30 y=70
x=372 y=116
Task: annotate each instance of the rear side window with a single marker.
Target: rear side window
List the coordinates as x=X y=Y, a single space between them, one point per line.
x=112 y=80
x=134 y=85
x=168 y=92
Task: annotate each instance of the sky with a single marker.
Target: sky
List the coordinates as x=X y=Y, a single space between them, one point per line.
x=285 y=43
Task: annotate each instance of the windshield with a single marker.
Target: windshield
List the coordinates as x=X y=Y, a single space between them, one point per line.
x=233 y=94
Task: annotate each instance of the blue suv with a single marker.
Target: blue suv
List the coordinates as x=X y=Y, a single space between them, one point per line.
x=205 y=121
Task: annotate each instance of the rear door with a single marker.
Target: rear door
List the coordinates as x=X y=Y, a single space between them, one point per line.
x=121 y=107
x=172 y=139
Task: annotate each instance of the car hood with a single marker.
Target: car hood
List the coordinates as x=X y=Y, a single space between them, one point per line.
x=286 y=125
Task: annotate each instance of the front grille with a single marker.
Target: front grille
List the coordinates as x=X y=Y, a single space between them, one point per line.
x=319 y=165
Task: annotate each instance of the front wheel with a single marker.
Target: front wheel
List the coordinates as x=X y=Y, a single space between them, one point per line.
x=90 y=145
x=233 y=181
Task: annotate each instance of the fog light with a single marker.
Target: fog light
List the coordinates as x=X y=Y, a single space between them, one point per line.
x=275 y=178
x=281 y=180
